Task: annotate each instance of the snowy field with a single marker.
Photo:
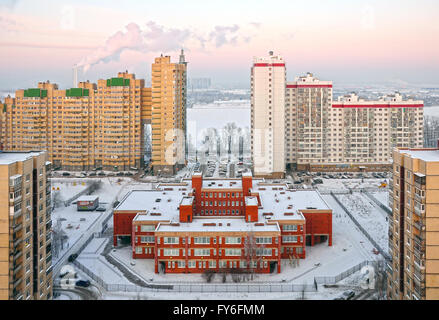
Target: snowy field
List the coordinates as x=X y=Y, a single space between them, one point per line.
x=371 y=217
x=347 y=184
x=382 y=197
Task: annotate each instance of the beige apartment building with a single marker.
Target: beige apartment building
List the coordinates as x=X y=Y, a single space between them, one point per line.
x=101 y=126
x=168 y=114
x=413 y=273
x=25 y=226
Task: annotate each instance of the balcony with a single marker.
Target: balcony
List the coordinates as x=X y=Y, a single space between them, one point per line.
x=419 y=225
x=17 y=282
x=18 y=213
x=18 y=295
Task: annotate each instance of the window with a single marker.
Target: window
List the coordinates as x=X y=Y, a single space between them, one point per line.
x=289 y=239
x=263 y=252
x=147 y=239
x=233 y=240
x=147 y=228
x=201 y=252
x=290 y=227
x=170 y=240
x=201 y=240
x=171 y=252
x=233 y=252
x=260 y=240
x=138 y=250
x=191 y=264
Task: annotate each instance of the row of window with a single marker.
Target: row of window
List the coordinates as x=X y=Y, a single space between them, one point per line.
x=200 y=252
x=205 y=240
x=212 y=264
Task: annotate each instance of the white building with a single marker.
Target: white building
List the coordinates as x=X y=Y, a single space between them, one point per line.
x=268 y=83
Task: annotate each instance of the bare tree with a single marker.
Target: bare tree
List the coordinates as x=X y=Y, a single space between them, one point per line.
x=251 y=254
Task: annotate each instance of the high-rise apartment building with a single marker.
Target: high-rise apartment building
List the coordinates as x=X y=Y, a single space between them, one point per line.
x=414 y=228
x=25 y=226
x=268 y=80
x=308 y=121
x=102 y=125
x=298 y=125
x=168 y=114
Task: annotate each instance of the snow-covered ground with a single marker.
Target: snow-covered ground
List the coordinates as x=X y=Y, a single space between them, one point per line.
x=346 y=184
x=75 y=223
x=382 y=197
x=371 y=217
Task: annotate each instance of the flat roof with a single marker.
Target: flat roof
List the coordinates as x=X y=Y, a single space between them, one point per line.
x=425 y=155
x=166 y=208
x=251 y=201
x=87 y=198
x=187 y=201
x=218 y=224
x=280 y=203
x=8 y=157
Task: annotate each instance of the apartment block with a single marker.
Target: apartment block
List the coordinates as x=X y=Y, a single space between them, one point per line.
x=102 y=126
x=309 y=121
x=25 y=226
x=413 y=273
x=168 y=116
x=268 y=83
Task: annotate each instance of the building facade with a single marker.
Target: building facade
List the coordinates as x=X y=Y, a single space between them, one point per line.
x=300 y=124
x=25 y=226
x=168 y=114
x=413 y=273
x=101 y=126
x=219 y=224
x=268 y=83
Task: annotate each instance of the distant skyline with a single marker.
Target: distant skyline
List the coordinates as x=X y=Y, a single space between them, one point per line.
x=344 y=41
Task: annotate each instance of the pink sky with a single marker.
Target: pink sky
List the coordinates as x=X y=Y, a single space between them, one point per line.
x=336 y=40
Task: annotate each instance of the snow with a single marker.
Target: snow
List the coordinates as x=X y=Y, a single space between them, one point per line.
x=382 y=197
x=221 y=224
x=11 y=157
x=372 y=218
x=425 y=155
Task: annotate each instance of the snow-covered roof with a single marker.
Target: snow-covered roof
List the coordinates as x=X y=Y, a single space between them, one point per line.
x=251 y=201
x=280 y=203
x=87 y=198
x=160 y=204
x=187 y=201
x=218 y=224
x=425 y=155
x=7 y=157
x=222 y=184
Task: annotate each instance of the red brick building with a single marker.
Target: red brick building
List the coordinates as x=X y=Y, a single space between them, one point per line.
x=217 y=224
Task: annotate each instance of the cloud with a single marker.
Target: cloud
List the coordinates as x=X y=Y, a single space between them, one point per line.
x=221 y=35
x=157 y=38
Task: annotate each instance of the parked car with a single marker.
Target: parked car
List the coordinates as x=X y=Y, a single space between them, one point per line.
x=83 y=283
x=101 y=208
x=72 y=257
x=65 y=174
x=348 y=295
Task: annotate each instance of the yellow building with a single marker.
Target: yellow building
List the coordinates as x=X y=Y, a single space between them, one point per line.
x=168 y=114
x=414 y=229
x=101 y=126
x=25 y=226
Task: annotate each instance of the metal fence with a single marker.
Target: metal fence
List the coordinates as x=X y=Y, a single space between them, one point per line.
x=89 y=189
x=223 y=287
x=376 y=245
x=378 y=203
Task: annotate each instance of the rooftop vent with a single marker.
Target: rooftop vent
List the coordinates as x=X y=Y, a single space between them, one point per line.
x=175 y=224
x=267 y=213
x=311 y=208
x=289 y=213
x=156 y=214
x=158 y=200
x=228 y=224
x=210 y=224
x=169 y=200
x=168 y=189
x=220 y=224
x=259 y=224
